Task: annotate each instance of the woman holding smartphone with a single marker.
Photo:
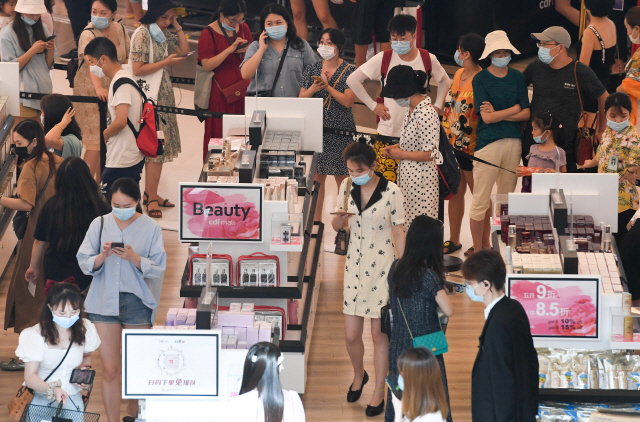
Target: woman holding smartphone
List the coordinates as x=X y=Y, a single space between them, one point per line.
x=124 y=252
x=278 y=41
x=155 y=35
x=62 y=341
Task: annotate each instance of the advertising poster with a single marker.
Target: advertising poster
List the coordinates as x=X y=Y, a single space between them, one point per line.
x=558 y=307
x=170 y=364
x=221 y=212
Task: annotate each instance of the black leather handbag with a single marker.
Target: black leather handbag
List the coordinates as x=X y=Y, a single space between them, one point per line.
x=385 y=319
x=21 y=218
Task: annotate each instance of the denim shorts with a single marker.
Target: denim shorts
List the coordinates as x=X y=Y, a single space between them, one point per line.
x=132 y=312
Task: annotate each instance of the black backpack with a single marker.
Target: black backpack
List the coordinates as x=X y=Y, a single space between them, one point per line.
x=449 y=170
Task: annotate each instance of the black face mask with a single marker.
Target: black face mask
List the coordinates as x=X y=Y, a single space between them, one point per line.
x=21 y=152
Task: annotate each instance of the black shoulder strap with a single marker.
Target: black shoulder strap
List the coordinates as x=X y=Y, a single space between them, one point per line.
x=44 y=188
x=101 y=227
x=284 y=54
x=94 y=36
x=224 y=32
x=63 y=358
x=122 y=81
x=600 y=41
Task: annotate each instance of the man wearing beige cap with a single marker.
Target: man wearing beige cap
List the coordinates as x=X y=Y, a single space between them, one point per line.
x=556 y=78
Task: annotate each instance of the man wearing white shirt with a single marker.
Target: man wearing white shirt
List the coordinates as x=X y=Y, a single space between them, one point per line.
x=405 y=52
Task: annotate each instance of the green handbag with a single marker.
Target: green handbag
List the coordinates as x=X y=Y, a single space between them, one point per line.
x=436 y=342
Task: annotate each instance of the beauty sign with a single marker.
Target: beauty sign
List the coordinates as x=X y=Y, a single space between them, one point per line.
x=221 y=212
x=170 y=364
x=558 y=306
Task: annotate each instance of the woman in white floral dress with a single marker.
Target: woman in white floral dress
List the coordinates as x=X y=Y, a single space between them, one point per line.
x=418 y=148
x=155 y=30
x=375 y=215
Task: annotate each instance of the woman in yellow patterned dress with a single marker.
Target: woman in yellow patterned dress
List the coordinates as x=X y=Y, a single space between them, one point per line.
x=85 y=83
x=155 y=29
x=619 y=152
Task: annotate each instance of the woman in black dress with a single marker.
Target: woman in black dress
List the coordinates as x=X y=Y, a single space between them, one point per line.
x=416 y=281
x=330 y=84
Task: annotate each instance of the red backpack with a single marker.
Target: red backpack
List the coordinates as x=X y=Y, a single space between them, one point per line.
x=386 y=60
x=147 y=137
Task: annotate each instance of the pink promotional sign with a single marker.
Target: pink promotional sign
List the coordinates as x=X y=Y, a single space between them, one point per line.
x=221 y=212
x=558 y=306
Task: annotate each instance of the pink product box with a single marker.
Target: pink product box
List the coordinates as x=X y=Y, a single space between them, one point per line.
x=247 y=307
x=242 y=345
x=617 y=288
x=253 y=334
x=265 y=331
x=232 y=342
x=192 y=312
x=171 y=320
x=228 y=331
x=241 y=333
x=183 y=311
x=235 y=319
x=235 y=307
x=182 y=319
x=191 y=320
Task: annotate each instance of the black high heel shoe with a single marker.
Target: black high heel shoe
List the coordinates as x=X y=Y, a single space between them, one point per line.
x=374 y=411
x=353 y=396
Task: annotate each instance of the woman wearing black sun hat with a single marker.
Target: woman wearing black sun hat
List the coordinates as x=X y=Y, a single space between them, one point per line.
x=417 y=151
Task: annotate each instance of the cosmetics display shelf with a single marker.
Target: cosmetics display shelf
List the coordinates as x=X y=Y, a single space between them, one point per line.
x=588 y=396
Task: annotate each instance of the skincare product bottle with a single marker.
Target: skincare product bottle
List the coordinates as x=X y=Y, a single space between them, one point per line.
x=245 y=278
x=508 y=261
x=512 y=236
x=198 y=278
x=263 y=278
x=223 y=278
x=216 y=278
x=626 y=303
x=253 y=279
x=606 y=242
x=628 y=328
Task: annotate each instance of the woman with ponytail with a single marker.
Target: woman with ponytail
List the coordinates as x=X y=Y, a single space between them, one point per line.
x=417 y=151
x=261 y=396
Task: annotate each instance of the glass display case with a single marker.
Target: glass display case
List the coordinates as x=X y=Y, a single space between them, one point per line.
x=286 y=231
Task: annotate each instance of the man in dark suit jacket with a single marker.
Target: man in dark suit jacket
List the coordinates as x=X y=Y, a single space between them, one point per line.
x=504 y=384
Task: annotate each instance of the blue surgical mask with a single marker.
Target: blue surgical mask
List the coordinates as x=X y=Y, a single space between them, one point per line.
x=100 y=22
x=361 y=180
x=403 y=102
x=401 y=47
x=123 y=214
x=156 y=33
x=227 y=27
x=42 y=119
x=65 y=322
x=457 y=59
x=618 y=126
x=276 y=32
x=400 y=382
x=539 y=140
x=500 y=61
x=28 y=20
x=472 y=294
x=544 y=54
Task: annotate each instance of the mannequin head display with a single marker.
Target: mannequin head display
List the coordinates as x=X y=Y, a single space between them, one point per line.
x=262 y=368
x=484 y=274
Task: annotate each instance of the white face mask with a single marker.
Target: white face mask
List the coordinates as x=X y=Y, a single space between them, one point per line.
x=634 y=40
x=97 y=70
x=326 y=52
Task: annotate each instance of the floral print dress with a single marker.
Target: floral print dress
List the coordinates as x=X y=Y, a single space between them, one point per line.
x=626 y=145
x=140 y=53
x=371 y=250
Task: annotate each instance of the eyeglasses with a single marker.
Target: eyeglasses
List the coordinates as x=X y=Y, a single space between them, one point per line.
x=328 y=44
x=547 y=45
x=236 y=23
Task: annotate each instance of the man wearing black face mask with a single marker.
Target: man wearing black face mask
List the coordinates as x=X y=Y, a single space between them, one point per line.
x=504 y=382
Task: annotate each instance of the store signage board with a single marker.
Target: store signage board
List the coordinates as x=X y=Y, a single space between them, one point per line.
x=559 y=306
x=221 y=212
x=170 y=363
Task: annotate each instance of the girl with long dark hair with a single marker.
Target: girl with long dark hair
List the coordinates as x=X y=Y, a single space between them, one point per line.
x=25 y=42
x=261 y=396
x=63 y=333
x=61 y=129
x=260 y=64
x=63 y=223
x=127 y=280
x=37 y=177
x=221 y=49
x=416 y=290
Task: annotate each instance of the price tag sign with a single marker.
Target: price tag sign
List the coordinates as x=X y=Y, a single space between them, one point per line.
x=559 y=306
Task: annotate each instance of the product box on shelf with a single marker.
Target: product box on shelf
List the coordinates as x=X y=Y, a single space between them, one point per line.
x=221 y=266
x=245 y=322
x=286 y=230
x=258 y=270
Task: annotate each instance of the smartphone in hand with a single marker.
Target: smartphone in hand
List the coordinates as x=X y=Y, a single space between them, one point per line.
x=49 y=38
x=82 y=376
x=392 y=382
x=117 y=245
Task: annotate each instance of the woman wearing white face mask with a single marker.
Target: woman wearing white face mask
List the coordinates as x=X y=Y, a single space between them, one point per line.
x=87 y=84
x=417 y=151
x=155 y=35
x=375 y=214
x=631 y=83
x=276 y=43
x=52 y=349
x=328 y=80
x=127 y=279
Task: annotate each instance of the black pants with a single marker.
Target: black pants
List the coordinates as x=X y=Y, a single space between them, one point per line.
x=79 y=12
x=111 y=174
x=629 y=252
x=623 y=219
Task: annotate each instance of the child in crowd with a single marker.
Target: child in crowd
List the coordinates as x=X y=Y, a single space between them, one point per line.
x=62 y=131
x=619 y=152
x=544 y=156
x=7 y=12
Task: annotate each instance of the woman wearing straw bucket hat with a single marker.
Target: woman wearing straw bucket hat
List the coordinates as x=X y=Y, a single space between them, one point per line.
x=24 y=42
x=502 y=95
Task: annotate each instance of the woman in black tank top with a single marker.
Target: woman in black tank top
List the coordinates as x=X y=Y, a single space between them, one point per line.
x=592 y=49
